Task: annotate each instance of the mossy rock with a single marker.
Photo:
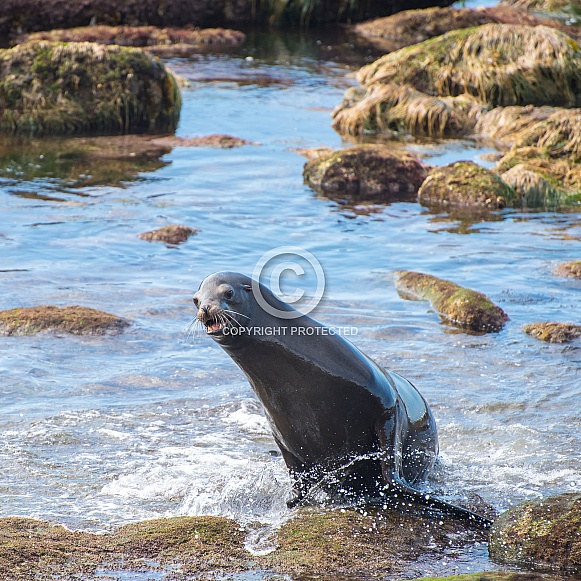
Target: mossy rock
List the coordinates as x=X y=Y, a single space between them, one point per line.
x=413 y=26
x=484 y=67
x=355 y=543
x=152 y=38
x=365 y=173
x=410 y=27
x=465 y=184
x=459 y=306
x=551 y=332
x=216 y=140
x=542 y=534
x=65 y=88
x=553 y=130
x=76 y=320
x=173 y=234
x=572 y=269
x=32 y=549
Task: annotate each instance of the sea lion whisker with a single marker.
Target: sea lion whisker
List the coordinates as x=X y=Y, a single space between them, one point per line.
x=236 y=313
x=232 y=319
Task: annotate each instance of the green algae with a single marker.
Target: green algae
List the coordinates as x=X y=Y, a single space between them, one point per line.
x=466 y=184
x=75 y=320
x=449 y=81
x=543 y=534
x=459 y=306
x=65 y=88
x=551 y=332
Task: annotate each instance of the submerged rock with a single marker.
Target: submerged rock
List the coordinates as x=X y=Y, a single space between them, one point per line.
x=572 y=269
x=553 y=332
x=65 y=88
x=173 y=234
x=78 y=162
x=540 y=533
x=217 y=140
x=155 y=40
x=365 y=173
x=76 y=320
x=494 y=576
x=465 y=184
x=459 y=306
x=472 y=69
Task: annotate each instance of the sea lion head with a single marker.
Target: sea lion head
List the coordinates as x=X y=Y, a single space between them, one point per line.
x=224 y=302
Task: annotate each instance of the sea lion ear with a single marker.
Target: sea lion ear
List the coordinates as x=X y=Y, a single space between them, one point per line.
x=247 y=287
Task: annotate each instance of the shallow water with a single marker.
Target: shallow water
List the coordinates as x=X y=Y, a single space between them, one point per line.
x=100 y=431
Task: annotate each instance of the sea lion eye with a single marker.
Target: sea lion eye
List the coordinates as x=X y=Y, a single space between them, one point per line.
x=196 y=301
x=229 y=294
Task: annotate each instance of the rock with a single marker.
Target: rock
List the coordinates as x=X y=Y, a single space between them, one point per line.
x=470 y=70
x=64 y=88
x=572 y=269
x=365 y=173
x=541 y=180
x=540 y=533
x=544 y=5
x=173 y=235
x=555 y=131
x=495 y=576
x=76 y=320
x=465 y=184
x=32 y=549
x=414 y=26
x=32 y=15
x=553 y=332
x=217 y=140
x=459 y=306
x=155 y=40
x=346 y=543
x=317 y=541
x=81 y=161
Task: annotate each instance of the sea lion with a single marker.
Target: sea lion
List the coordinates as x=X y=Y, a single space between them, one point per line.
x=344 y=425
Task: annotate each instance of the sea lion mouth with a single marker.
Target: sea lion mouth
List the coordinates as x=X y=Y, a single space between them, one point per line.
x=215 y=326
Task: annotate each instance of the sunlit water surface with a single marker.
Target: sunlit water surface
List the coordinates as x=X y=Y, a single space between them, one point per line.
x=100 y=431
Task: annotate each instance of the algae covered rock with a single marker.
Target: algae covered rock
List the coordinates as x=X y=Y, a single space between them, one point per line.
x=358 y=544
x=459 y=306
x=172 y=235
x=492 y=65
x=465 y=184
x=32 y=549
x=551 y=332
x=541 y=533
x=365 y=173
x=151 y=37
x=572 y=269
x=409 y=27
x=413 y=26
x=65 y=88
x=76 y=320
